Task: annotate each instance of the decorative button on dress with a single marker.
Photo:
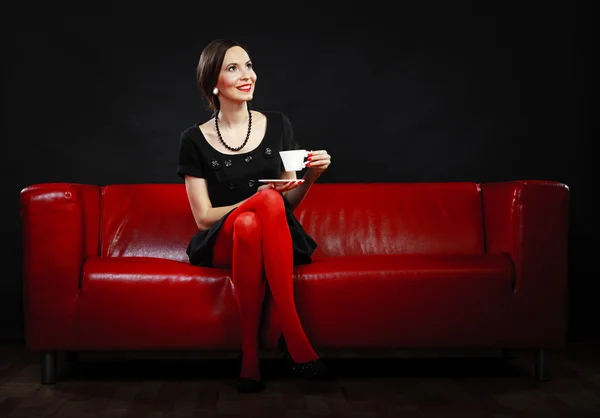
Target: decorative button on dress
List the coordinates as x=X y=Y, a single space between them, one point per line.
x=232 y=178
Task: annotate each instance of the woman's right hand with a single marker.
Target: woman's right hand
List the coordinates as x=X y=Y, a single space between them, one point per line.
x=265 y=187
x=280 y=187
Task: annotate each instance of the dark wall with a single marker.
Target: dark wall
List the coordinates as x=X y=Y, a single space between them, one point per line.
x=452 y=97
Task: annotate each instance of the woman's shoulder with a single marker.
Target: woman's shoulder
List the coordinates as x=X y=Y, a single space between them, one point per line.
x=196 y=133
x=190 y=132
x=193 y=138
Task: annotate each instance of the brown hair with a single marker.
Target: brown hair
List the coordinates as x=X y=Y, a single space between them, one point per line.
x=209 y=67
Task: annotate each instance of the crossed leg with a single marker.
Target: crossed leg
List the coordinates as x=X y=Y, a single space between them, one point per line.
x=255 y=236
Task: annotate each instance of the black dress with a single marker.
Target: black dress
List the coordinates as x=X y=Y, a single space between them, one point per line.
x=232 y=178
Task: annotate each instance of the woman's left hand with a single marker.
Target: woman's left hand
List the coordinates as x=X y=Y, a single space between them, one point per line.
x=318 y=161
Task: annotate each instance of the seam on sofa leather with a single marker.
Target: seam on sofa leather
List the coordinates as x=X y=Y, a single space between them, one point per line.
x=80 y=278
x=481 y=205
x=100 y=203
x=513 y=270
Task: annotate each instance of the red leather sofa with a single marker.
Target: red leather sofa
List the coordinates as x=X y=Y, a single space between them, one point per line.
x=399 y=265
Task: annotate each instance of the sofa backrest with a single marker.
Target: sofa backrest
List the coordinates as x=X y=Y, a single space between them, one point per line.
x=145 y=220
x=394 y=218
x=155 y=220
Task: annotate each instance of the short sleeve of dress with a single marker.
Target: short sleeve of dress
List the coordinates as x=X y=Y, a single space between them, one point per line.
x=289 y=143
x=189 y=158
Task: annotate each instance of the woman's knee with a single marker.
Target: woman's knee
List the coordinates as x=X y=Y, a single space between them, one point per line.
x=271 y=199
x=247 y=226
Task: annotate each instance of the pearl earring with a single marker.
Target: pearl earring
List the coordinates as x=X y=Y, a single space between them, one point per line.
x=215 y=91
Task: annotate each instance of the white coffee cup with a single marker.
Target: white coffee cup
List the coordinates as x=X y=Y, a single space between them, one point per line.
x=293 y=160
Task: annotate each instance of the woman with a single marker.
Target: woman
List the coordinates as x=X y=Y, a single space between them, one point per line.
x=244 y=224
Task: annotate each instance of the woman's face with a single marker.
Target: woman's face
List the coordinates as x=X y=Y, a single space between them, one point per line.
x=237 y=78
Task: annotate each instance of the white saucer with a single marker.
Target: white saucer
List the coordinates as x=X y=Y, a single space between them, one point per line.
x=279 y=180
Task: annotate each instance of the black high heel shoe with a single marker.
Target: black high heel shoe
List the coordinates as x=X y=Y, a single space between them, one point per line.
x=314 y=369
x=246 y=385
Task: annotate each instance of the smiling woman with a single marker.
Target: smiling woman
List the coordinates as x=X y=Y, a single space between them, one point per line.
x=243 y=225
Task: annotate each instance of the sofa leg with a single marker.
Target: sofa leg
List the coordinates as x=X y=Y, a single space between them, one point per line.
x=542 y=365
x=48 y=367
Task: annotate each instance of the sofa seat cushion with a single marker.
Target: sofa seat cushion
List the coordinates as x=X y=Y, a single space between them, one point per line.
x=153 y=303
x=389 y=300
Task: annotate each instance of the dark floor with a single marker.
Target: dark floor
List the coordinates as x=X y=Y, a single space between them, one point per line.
x=393 y=384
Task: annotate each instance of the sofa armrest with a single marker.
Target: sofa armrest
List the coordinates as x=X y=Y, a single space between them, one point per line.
x=529 y=221
x=60 y=224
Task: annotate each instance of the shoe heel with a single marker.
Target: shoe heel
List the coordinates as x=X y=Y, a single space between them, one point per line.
x=314 y=369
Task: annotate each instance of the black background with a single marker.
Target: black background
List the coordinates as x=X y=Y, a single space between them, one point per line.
x=444 y=95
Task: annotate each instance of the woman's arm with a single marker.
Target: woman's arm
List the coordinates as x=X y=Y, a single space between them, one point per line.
x=204 y=213
x=296 y=195
x=317 y=163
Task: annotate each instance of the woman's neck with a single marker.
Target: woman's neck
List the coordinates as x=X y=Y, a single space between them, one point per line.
x=231 y=115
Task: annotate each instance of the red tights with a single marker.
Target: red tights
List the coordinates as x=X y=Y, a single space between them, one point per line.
x=256 y=233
